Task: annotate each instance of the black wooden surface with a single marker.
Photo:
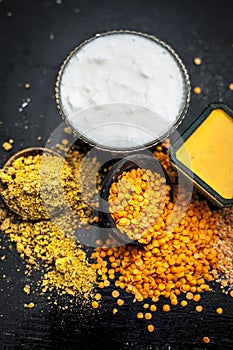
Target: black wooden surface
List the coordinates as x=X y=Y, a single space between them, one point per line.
x=33 y=43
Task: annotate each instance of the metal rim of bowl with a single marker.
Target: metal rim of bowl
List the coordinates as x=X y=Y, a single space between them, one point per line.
x=27 y=152
x=185 y=104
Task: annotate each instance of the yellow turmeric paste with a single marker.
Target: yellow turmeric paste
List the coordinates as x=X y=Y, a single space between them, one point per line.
x=208 y=152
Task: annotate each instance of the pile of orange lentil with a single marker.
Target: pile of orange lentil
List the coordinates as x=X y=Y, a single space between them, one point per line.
x=136 y=200
x=168 y=263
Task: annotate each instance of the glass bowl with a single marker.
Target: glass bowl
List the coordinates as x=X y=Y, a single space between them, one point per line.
x=143 y=127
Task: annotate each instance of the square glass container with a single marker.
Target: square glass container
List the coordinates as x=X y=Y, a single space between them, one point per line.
x=204 y=154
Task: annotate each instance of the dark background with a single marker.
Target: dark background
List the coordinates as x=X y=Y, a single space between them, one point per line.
x=33 y=43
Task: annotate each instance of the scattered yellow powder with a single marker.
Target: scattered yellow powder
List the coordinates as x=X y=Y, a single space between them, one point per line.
x=27 y=289
x=7 y=146
x=29 y=306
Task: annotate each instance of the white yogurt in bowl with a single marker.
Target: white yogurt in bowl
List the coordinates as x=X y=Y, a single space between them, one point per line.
x=123 y=90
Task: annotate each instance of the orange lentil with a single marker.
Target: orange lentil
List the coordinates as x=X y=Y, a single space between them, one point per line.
x=98 y=296
x=196 y=297
x=106 y=283
x=120 y=302
x=199 y=308
x=148 y=316
x=189 y=296
x=150 y=328
x=206 y=340
x=183 y=303
x=166 y=308
x=231 y=86
x=95 y=304
x=219 y=310
x=153 y=307
x=101 y=285
x=114 y=311
x=197 y=90
x=197 y=61
x=140 y=315
x=231 y=293
x=115 y=294
x=146 y=306
x=173 y=260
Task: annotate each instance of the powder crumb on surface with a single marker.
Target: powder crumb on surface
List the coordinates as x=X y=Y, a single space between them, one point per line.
x=231 y=86
x=27 y=86
x=27 y=289
x=30 y=305
x=7 y=146
x=52 y=247
x=9 y=14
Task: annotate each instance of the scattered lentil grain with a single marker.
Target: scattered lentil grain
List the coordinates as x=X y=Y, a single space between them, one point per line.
x=197 y=61
x=29 y=306
x=183 y=303
x=150 y=328
x=95 y=304
x=7 y=146
x=148 y=315
x=206 y=340
x=219 y=310
x=120 y=302
x=197 y=90
x=166 y=308
x=115 y=294
x=199 y=308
